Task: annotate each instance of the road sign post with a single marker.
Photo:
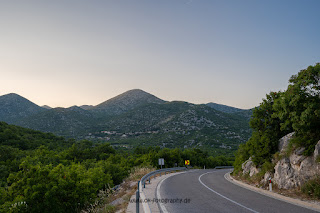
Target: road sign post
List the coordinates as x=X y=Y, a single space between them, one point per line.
x=161 y=162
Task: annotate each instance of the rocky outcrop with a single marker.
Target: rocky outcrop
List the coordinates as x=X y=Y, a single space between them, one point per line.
x=284 y=142
x=249 y=167
x=295 y=170
x=290 y=171
x=265 y=180
x=316 y=152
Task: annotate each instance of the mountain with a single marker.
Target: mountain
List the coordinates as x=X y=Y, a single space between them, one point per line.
x=14 y=107
x=177 y=124
x=68 y=122
x=86 y=107
x=224 y=108
x=137 y=118
x=126 y=101
x=26 y=139
x=46 y=107
x=246 y=113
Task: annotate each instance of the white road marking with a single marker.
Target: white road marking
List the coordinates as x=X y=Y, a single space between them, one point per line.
x=161 y=205
x=223 y=195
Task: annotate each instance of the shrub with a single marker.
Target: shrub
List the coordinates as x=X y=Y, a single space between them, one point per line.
x=312 y=188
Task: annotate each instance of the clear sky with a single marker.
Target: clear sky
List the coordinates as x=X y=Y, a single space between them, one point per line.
x=76 y=52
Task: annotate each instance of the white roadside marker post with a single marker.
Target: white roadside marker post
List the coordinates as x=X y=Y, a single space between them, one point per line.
x=270 y=185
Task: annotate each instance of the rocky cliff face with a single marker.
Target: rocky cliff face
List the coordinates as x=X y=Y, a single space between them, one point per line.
x=295 y=170
x=289 y=172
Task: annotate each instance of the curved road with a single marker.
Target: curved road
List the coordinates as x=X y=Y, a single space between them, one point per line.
x=209 y=191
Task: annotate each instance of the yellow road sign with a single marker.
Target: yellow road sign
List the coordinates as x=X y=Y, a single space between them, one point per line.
x=187 y=162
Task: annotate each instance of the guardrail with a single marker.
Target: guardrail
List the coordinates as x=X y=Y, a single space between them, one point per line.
x=142 y=184
x=223 y=167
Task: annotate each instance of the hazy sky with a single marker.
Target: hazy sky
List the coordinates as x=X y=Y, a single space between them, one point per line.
x=64 y=53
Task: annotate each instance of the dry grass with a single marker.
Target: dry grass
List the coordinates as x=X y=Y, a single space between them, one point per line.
x=103 y=196
x=138 y=172
x=110 y=201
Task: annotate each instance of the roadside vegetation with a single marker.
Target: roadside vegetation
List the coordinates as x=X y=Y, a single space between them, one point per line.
x=40 y=172
x=297 y=109
x=117 y=199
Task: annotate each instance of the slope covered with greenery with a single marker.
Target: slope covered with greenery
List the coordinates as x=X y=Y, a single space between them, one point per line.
x=169 y=124
x=40 y=172
x=297 y=109
x=177 y=124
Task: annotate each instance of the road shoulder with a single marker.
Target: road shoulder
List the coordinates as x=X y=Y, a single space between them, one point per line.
x=150 y=192
x=309 y=205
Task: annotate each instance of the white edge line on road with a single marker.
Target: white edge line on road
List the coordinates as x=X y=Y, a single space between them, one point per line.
x=223 y=195
x=289 y=200
x=161 y=205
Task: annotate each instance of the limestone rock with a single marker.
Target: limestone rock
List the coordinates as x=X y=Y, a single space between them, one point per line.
x=295 y=170
x=289 y=172
x=297 y=157
x=249 y=167
x=284 y=141
x=284 y=175
x=265 y=180
x=308 y=168
x=316 y=152
x=254 y=170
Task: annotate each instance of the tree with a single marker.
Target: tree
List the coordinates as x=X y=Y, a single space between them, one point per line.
x=299 y=107
x=266 y=132
x=296 y=109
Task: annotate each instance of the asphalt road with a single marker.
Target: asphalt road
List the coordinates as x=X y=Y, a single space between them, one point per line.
x=208 y=191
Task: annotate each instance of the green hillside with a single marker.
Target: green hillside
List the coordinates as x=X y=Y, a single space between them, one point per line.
x=138 y=118
x=41 y=172
x=178 y=124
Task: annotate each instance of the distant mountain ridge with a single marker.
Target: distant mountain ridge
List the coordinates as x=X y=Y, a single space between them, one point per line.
x=136 y=117
x=46 y=107
x=68 y=122
x=14 y=107
x=232 y=110
x=224 y=108
x=86 y=107
x=126 y=101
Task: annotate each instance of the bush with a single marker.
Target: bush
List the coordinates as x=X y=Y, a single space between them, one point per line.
x=295 y=110
x=312 y=188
